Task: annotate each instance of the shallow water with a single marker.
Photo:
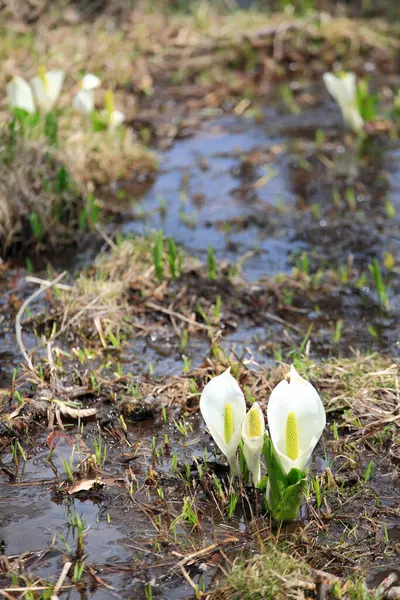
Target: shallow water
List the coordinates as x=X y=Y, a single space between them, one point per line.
x=204 y=195
x=209 y=201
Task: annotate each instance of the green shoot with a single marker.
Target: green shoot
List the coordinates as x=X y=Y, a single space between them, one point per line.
x=173 y=259
x=36 y=226
x=211 y=263
x=318 y=492
x=158 y=255
x=232 y=502
x=338 y=332
x=369 y=471
x=379 y=283
x=69 y=467
x=148 y=590
x=100 y=451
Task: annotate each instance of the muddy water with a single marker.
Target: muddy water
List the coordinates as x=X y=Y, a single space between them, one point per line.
x=120 y=533
x=211 y=200
x=208 y=193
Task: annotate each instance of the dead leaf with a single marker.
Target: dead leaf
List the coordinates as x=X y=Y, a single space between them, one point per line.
x=75 y=413
x=55 y=436
x=84 y=485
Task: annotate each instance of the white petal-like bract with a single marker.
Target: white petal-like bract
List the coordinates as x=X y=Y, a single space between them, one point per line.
x=83 y=102
x=89 y=82
x=296 y=419
x=116 y=118
x=223 y=407
x=344 y=90
x=20 y=95
x=253 y=429
x=47 y=89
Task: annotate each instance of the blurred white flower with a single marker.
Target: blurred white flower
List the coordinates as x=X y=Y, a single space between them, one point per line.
x=47 y=88
x=83 y=100
x=20 y=95
x=113 y=117
x=344 y=90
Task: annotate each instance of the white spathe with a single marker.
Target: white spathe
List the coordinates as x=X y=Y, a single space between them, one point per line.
x=344 y=90
x=253 y=430
x=47 y=88
x=295 y=405
x=19 y=94
x=223 y=408
x=89 y=82
x=115 y=119
x=83 y=100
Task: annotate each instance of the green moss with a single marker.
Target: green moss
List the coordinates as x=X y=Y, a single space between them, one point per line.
x=267 y=576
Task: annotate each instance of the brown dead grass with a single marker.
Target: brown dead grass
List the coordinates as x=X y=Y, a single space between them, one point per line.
x=105 y=157
x=115 y=291
x=28 y=177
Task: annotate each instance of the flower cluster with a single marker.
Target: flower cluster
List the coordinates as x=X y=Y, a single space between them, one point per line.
x=296 y=419
x=44 y=90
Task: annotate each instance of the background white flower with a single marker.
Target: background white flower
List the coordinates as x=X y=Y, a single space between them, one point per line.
x=83 y=100
x=47 y=88
x=114 y=118
x=344 y=90
x=20 y=95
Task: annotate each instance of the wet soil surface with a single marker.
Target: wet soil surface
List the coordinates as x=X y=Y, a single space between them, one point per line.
x=259 y=193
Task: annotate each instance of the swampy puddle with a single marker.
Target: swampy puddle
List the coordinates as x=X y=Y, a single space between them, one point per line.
x=122 y=541
x=208 y=194
x=236 y=186
x=137 y=536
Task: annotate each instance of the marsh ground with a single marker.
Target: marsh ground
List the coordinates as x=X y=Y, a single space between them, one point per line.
x=285 y=248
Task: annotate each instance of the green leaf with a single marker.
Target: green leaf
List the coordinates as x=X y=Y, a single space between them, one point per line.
x=288 y=507
x=284 y=491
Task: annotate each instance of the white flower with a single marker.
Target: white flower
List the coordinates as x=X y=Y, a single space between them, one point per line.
x=223 y=407
x=344 y=90
x=83 y=101
x=253 y=429
x=296 y=419
x=89 y=82
x=113 y=117
x=47 y=88
x=20 y=95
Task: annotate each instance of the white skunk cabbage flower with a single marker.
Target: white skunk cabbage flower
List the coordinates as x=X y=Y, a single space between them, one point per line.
x=296 y=419
x=20 y=95
x=114 y=118
x=223 y=407
x=344 y=90
x=253 y=429
x=47 y=87
x=83 y=100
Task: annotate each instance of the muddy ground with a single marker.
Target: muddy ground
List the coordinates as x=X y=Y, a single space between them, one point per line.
x=288 y=250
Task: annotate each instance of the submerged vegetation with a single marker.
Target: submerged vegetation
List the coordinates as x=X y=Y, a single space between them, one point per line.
x=229 y=228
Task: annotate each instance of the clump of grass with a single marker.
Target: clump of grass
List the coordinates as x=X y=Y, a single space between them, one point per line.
x=39 y=199
x=266 y=576
x=100 y=301
x=101 y=157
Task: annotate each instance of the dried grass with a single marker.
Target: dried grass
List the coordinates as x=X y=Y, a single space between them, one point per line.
x=103 y=157
x=27 y=185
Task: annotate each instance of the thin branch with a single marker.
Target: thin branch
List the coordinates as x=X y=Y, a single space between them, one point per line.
x=18 y=327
